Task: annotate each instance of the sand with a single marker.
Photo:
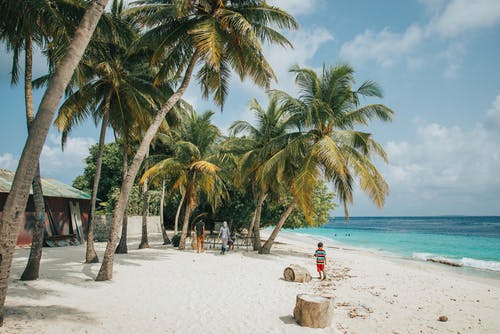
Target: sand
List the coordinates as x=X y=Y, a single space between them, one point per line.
x=163 y=290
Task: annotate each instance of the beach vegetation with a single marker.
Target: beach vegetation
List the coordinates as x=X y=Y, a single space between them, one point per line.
x=257 y=144
x=220 y=36
x=327 y=145
x=110 y=87
x=193 y=167
x=328 y=109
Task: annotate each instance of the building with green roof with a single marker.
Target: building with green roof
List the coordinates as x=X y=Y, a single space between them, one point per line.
x=66 y=211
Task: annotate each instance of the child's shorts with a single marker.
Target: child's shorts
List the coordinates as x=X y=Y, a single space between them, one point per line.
x=320 y=266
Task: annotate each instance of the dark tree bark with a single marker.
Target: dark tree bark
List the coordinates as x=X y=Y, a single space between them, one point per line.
x=122 y=245
x=256 y=227
x=91 y=255
x=32 y=270
x=166 y=240
x=145 y=208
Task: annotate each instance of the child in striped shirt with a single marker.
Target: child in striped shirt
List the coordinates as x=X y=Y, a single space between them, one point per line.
x=320 y=255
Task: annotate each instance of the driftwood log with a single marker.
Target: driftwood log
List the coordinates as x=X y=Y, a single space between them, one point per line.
x=447 y=262
x=296 y=273
x=313 y=311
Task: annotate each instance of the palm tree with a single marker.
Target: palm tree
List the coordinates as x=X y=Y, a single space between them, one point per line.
x=326 y=111
x=117 y=92
x=297 y=173
x=220 y=36
x=192 y=167
x=16 y=201
x=145 y=208
x=262 y=141
x=25 y=23
x=162 y=147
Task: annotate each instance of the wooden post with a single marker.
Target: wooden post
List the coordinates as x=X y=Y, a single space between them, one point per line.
x=296 y=273
x=313 y=311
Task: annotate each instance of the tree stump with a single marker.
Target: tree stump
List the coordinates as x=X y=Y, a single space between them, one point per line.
x=296 y=273
x=313 y=311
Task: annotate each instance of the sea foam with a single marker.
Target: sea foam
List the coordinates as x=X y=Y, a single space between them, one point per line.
x=465 y=262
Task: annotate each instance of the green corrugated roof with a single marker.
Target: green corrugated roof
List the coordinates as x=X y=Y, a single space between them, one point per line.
x=51 y=187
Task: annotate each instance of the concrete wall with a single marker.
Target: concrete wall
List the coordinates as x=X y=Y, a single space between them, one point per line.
x=134 y=226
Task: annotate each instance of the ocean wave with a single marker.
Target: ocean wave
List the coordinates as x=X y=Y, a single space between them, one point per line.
x=463 y=262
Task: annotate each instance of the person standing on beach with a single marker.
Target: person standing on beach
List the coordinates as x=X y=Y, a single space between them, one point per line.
x=320 y=256
x=224 y=235
x=199 y=229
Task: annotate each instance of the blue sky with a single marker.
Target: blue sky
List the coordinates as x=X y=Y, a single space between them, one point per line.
x=437 y=61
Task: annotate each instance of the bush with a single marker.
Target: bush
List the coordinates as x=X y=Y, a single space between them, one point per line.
x=176 y=239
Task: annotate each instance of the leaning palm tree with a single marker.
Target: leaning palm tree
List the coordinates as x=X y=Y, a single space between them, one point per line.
x=116 y=94
x=296 y=172
x=25 y=173
x=326 y=111
x=260 y=143
x=192 y=168
x=23 y=24
x=217 y=35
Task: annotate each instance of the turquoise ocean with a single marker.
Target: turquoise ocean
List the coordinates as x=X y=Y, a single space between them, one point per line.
x=470 y=241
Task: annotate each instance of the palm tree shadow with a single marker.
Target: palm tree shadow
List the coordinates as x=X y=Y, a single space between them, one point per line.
x=53 y=312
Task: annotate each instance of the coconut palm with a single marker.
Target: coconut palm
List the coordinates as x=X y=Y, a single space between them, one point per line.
x=260 y=143
x=217 y=35
x=326 y=110
x=25 y=23
x=296 y=172
x=117 y=93
x=192 y=167
x=25 y=173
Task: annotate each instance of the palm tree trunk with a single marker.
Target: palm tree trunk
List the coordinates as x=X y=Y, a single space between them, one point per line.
x=122 y=245
x=187 y=213
x=266 y=248
x=178 y=213
x=145 y=208
x=185 y=224
x=26 y=170
x=106 y=271
x=32 y=269
x=256 y=226
x=91 y=255
x=166 y=240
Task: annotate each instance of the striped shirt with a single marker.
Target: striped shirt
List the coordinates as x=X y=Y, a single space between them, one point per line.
x=320 y=255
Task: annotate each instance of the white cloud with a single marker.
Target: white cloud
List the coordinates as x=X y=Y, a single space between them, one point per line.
x=64 y=165
x=445 y=160
x=460 y=16
x=493 y=114
x=8 y=161
x=385 y=47
x=448 y=19
x=55 y=163
x=297 y=7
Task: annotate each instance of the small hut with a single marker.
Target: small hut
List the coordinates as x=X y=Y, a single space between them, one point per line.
x=66 y=211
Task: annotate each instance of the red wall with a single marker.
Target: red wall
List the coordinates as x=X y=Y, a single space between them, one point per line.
x=59 y=208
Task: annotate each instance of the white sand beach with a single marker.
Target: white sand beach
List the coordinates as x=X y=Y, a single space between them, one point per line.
x=163 y=290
